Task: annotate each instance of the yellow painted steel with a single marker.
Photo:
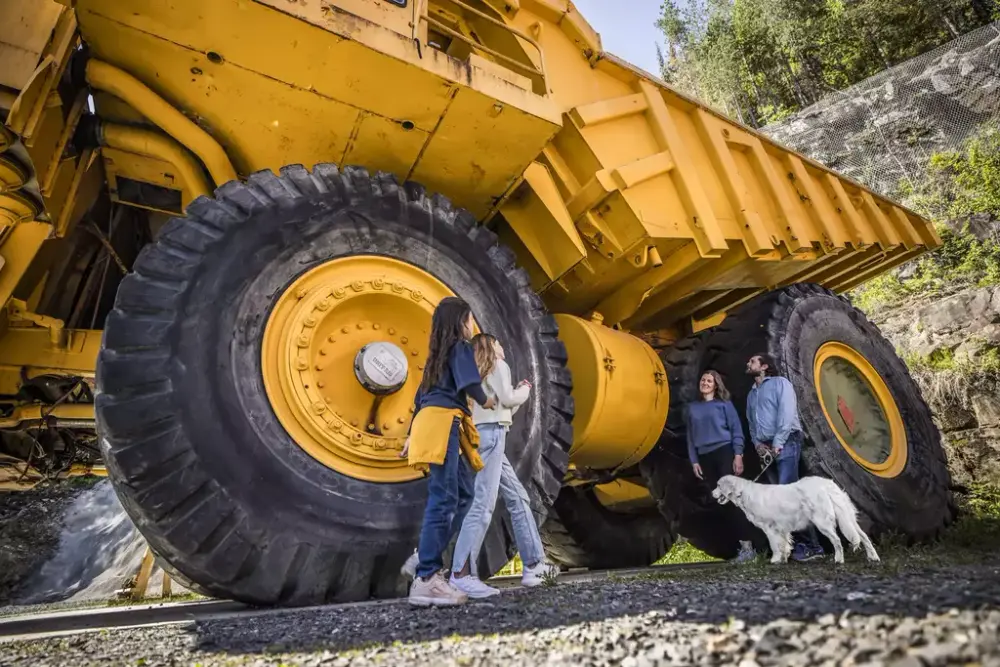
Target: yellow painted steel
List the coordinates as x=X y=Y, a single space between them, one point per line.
x=78 y=413
x=623 y=199
x=151 y=144
x=871 y=385
x=31 y=347
x=623 y=495
x=583 y=162
x=620 y=392
x=16 y=475
x=312 y=337
x=12 y=174
x=121 y=84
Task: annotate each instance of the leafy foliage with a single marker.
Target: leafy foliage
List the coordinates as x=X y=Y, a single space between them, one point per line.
x=959 y=185
x=760 y=60
x=684 y=552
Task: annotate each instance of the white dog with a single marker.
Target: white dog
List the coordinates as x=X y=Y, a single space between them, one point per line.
x=781 y=510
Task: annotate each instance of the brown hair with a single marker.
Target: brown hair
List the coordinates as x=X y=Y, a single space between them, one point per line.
x=721 y=392
x=486 y=353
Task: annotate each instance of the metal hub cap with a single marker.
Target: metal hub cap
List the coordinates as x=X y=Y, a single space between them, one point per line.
x=381 y=368
x=860 y=409
x=365 y=316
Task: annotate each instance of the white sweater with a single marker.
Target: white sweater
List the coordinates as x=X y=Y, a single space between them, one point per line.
x=498 y=384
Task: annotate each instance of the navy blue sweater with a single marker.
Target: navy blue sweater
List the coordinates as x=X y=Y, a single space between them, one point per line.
x=711 y=425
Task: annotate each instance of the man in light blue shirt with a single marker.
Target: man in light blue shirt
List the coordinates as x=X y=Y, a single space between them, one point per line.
x=773 y=416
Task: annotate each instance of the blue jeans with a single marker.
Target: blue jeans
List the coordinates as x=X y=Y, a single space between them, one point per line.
x=788 y=473
x=497 y=477
x=449 y=496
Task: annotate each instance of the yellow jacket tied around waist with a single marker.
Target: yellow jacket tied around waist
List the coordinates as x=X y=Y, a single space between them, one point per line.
x=429 y=437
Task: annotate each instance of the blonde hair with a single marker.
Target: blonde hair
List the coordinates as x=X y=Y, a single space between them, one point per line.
x=486 y=353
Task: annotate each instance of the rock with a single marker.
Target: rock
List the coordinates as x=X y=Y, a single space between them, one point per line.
x=983 y=226
x=987 y=410
x=955 y=418
x=973 y=455
x=906 y=271
x=991 y=332
x=966 y=323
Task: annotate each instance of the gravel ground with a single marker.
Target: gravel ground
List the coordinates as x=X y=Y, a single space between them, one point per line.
x=801 y=615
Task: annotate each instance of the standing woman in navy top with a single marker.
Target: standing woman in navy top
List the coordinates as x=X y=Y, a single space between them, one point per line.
x=451 y=378
x=715 y=443
x=714 y=432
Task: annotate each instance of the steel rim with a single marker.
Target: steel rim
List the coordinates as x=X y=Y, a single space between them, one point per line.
x=310 y=344
x=860 y=409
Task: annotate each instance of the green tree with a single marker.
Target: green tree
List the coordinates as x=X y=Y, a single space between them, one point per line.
x=759 y=60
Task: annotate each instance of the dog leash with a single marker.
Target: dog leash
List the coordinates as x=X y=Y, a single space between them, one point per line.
x=768 y=460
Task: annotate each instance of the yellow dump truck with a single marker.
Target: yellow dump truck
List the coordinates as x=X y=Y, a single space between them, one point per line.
x=224 y=226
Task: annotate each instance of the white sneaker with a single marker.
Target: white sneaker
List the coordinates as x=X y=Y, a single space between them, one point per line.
x=435 y=592
x=409 y=568
x=536 y=576
x=473 y=587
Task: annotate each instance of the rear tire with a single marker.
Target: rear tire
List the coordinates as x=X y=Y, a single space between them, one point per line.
x=791 y=324
x=680 y=496
x=582 y=533
x=196 y=454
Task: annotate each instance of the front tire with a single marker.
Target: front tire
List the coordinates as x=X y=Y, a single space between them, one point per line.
x=196 y=453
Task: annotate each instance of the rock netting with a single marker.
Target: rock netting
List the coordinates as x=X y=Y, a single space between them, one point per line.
x=882 y=130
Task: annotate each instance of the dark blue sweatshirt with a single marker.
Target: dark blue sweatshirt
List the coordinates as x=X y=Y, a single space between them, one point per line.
x=711 y=425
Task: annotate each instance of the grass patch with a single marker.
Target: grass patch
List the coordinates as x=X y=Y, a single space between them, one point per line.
x=973 y=538
x=684 y=552
x=181 y=597
x=946 y=380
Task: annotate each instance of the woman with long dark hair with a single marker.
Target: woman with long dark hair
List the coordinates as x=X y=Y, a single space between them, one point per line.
x=497 y=478
x=440 y=433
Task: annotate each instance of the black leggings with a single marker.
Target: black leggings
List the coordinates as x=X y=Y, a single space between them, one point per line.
x=714 y=466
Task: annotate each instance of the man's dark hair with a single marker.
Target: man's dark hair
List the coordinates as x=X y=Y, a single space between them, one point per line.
x=772 y=366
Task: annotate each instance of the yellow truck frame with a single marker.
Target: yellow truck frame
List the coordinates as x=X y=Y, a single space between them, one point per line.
x=643 y=220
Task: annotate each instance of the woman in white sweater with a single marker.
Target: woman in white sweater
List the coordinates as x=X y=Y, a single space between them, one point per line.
x=497 y=477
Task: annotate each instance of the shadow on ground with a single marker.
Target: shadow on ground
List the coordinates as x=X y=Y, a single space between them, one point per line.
x=755 y=595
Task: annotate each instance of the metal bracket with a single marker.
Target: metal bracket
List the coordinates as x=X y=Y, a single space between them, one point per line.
x=17 y=311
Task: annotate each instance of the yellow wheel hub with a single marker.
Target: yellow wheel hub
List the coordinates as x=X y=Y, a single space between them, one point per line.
x=311 y=345
x=861 y=410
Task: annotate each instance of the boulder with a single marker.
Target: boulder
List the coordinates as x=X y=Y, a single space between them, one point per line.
x=983 y=226
x=973 y=455
x=987 y=410
x=955 y=418
x=965 y=324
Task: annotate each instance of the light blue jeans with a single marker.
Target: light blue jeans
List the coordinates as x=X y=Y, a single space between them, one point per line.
x=497 y=476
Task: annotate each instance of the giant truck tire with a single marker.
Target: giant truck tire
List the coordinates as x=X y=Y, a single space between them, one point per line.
x=198 y=449
x=865 y=423
x=580 y=532
x=679 y=495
